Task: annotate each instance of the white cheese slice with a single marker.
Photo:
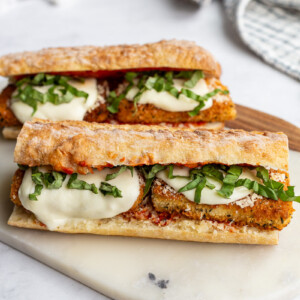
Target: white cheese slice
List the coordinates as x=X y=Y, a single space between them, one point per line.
x=57 y=207
x=74 y=110
x=168 y=102
x=208 y=196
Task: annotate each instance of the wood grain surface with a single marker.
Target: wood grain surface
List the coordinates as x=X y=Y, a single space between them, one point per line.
x=251 y=119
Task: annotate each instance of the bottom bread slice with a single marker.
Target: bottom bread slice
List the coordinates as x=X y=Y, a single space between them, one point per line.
x=182 y=229
x=11 y=133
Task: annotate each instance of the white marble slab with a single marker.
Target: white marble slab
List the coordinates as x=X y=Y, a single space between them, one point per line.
x=35 y=25
x=119 y=267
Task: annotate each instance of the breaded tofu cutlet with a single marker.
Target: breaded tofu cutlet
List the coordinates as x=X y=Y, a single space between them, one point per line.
x=265 y=213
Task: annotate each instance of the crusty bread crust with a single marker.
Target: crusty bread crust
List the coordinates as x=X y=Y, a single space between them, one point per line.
x=182 y=229
x=172 y=54
x=12 y=133
x=76 y=146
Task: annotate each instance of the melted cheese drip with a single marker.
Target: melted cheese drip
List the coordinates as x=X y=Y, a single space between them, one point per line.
x=208 y=196
x=57 y=207
x=74 y=110
x=168 y=102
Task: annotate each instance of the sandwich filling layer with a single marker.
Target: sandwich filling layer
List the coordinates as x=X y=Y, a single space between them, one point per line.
x=68 y=99
x=87 y=197
x=232 y=195
x=168 y=102
x=209 y=195
x=133 y=97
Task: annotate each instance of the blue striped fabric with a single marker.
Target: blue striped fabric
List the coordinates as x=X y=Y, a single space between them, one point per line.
x=271 y=28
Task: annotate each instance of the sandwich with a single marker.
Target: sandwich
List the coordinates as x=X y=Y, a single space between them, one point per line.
x=222 y=186
x=173 y=83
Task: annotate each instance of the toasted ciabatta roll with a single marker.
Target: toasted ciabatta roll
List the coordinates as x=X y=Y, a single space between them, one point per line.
x=171 y=82
x=226 y=186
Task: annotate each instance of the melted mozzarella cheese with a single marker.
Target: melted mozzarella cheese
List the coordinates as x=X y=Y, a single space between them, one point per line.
x=57 y=207
x=208 y=196
x=74 y=110
x=168 y=102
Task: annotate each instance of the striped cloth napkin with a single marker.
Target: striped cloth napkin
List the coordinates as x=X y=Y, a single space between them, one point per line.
x=271 y=28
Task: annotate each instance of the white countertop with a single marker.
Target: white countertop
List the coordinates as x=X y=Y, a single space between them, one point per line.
x=35 y=24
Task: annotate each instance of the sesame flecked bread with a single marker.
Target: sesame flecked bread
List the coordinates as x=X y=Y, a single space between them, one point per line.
x=164 y=54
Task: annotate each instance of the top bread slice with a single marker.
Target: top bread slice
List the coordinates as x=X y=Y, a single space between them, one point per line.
x=170 y=54
x=78 y=146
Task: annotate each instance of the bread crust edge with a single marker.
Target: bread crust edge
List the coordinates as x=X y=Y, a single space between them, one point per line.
x=183 y=229
x=173 y=54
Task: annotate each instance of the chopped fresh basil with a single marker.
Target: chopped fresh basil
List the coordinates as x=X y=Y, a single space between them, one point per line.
x=212 y=171
x=229 y=181
x=198 y=180
x=129 y=76
x=202 y=99
x=51 y=180
x=169 y=77
x=36 y=176
x=77 y=184
x=54 y=180
x=115 y=99
x=59 y=91
x=116 y=174
x=37 y=191
x=201 y=185
x=108 y=189
x=170 y=173
x=23 y=167
x=184 y=74
x=149 y=174
x=162 y=81
x=197 y=75
x=191 y=185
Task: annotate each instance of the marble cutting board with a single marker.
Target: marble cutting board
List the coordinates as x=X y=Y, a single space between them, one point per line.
x=119 y=267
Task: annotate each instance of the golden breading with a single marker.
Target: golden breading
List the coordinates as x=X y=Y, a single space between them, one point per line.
x=15 y=185
x=7 y=117
x=99 y=114
x=265 y=214
x=148 y=113
x=18 y=177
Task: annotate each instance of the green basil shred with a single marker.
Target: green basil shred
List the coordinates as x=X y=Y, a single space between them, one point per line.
x=54 y=180
x=108 y=189
x=77 y=184
x=116 y=174
x=228 y=176
x=162 y=81
x=59 y=91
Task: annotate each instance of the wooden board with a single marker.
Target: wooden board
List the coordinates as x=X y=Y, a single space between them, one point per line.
x=252 y=119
